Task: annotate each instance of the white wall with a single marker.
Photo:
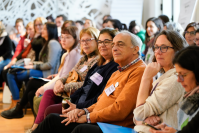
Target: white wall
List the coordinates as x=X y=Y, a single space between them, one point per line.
x=10 y=10
x=127 y=10
x=151 y=8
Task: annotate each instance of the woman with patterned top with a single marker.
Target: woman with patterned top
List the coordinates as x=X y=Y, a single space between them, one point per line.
x=88 y=41
x=96 y=78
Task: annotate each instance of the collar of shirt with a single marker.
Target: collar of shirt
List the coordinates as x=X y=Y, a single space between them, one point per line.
x=124 y=67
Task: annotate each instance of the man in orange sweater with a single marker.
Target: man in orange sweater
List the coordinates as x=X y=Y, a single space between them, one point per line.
x=118 y=100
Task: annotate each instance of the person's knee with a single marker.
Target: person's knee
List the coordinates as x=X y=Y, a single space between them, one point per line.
x=52 y=117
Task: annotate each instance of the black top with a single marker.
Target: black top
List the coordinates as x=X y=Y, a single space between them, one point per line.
x=192 y=126
x=6 y=48
x=36 y=45
x=89 y=92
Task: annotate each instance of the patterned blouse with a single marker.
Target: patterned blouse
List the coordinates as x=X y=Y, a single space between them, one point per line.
x=79 y=68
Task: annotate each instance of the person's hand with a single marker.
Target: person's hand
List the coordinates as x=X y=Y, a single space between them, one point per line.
x=151 y=70
x=165 y=130
x=29 y=67
x=40 y=91
x=1 y=58
x=72 y=116
x=26 y=42
x=82 y=119
x=71 y=107
x=52 y=76
x=58 y=87
x=195 y=90
x=152 y=120
x=13 y=61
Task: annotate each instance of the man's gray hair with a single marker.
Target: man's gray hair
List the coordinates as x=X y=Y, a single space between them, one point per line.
x=135 y=40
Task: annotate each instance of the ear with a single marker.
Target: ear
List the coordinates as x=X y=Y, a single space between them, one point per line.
x=117 y=29
x=135 y=50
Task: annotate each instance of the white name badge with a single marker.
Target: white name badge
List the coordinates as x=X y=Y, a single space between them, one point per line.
x=110 y=90
x=83 y=68
x=96 y=78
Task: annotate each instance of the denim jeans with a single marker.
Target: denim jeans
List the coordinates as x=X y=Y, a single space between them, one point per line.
x=3 y=64
x=21 y=75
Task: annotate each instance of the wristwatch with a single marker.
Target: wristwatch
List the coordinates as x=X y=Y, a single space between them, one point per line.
x=88 y=118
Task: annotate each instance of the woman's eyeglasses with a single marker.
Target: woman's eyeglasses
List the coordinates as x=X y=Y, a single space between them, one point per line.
x=104 y=43
x=163 y=49
x=181 y=76
x=86 y=41
x=192 y=33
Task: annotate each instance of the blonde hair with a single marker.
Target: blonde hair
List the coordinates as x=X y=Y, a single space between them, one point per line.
x=2 y=28
x=41 y=19
x=93 y=24
x=92 y=32
x=28 y=25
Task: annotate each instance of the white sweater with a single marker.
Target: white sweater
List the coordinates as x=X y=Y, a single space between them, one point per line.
x=163 y=102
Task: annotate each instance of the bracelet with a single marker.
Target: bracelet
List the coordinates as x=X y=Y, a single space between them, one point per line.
x=86 y=111
x=88 y=118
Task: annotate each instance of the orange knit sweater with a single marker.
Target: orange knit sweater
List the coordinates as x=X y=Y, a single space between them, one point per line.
x=117 y=108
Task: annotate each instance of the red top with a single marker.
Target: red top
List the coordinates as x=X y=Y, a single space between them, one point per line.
x=20 y=47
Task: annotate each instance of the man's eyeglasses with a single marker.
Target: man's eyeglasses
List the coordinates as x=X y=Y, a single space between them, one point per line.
x=104 y=43
x=118 y=44
x=192 y=33
x=86 y=41
x=163 y=49
x=181 y=76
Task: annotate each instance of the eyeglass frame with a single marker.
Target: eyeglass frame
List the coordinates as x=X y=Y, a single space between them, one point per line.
x=100 y=42
x=119 y=46
x=181 y=76
x=86 y=41
x=38 y=25
x=192 y=33
x=159 y=47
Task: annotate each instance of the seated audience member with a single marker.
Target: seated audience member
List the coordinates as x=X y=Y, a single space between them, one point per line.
x=107 y=17
x=173 y=26
x=60 y=19
x=153 y=27
x=197 y=37
x=5 y=48
x=31 y=51
x=187 y=70
x=161 y=101
x=118 y=99
x=68 y=23
x=48 y=64
x=50 y=18
x=164 y=18
x=19 y=26
x=138 y=30
x=104 y=25
x=115 y=24
x=89 y=49
x=189 y=33
x=89 y=92
x=69 y=42
x=79 y=25
x=89 y=23
x=20 y=46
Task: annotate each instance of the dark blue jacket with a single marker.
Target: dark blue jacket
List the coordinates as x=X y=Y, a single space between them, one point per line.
x=89 y=88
